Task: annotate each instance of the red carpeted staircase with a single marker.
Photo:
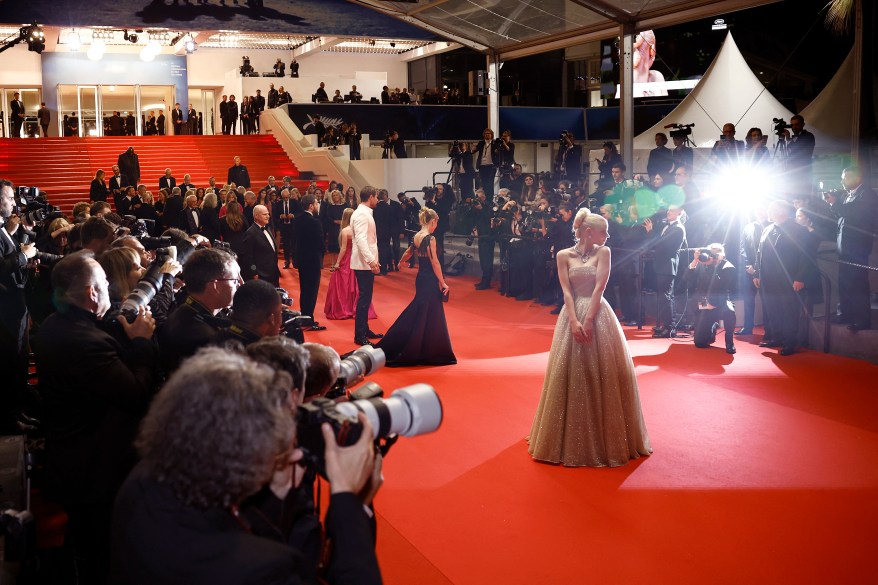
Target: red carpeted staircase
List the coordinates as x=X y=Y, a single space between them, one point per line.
x=65 y=167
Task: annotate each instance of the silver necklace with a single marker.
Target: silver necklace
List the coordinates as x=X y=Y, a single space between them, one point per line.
x=583 y=255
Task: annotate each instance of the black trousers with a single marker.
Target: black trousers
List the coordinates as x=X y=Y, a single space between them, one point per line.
x=486 y=177
x=394 y=249
x=309 y=284
x=707 y=319
x=853 y=291
x=748 y=296
x=365 y=282
x=521 y=256
x=782 y=309
x=664 y=289
x=486 y=258
x=288 y=241
x=385 y=253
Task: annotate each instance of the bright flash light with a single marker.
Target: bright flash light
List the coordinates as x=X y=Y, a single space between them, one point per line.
x=741 y=187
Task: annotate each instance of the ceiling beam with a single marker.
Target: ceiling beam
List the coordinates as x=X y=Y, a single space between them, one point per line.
x=316 y=46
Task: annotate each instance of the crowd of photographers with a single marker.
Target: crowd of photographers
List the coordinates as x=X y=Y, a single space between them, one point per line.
x=696 y=249
x=185 y=421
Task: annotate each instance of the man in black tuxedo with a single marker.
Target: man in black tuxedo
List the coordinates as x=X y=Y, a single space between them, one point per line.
x=259 y=250
x=173 y=210
x=781 y=266
x=187 y=185
x=129 y=201
x=238 y=174
x=14 y=258
x=117 y=125
x=272 y=96
x=320 y=94
x=129 y=165
x=192 y=120
x=856 y=213
x=661 y=158
x=224 y=114
x=231 y=114
x=95 y=390
x=16 y=107
x=309 y=255
x=666 y=258
x=166 y=181
x=569 y=158
x=286 y=210
x=130 y=125
x=177 y=117
x=118 y=182
x=160 y=123
x=382 y=216
x=192 y=216
x=258 y=108
x=462 y=163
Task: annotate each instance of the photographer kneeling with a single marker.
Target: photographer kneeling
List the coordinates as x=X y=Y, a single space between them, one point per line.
x=222 y=428
x=714 y=279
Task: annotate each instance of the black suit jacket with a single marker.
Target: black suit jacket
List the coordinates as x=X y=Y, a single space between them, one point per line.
x=495 y=155
x=167 y=183
x=98 y=191
x=782 y=256
x=129 y=166
x=191 y=226
x=118 y=183
x=258 y=257
x=95 y=391
x=210 y=223
x=177 y=119
x=309 y=242
x=666 y=249
x=171 y=216
x=160 y=124
x=156 y=538
x=856 y=215
x=13 y=311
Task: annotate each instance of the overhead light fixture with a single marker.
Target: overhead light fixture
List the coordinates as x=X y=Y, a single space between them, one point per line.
x=147 y=54
x=74 y=41
x=190 y=46
x=97 y=49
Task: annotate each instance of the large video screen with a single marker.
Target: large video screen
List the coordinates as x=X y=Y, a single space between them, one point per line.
x=666 y=63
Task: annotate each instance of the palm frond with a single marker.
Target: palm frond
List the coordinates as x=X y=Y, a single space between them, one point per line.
x=839 y=15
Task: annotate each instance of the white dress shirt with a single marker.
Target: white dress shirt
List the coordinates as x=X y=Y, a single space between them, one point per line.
x=365 y=241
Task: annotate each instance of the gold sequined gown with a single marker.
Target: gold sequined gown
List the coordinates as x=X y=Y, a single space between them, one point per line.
x=589 y=411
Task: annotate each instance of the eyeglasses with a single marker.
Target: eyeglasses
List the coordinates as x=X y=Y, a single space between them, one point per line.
x=236 y=279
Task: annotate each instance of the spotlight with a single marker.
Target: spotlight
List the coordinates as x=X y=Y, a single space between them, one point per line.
x=36 y=40
x=74 y=41
x=392 y=44
x=190 y=46
x=131 y=38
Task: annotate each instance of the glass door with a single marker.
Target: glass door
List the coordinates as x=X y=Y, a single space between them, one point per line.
x=91 y=121
x=119 y=99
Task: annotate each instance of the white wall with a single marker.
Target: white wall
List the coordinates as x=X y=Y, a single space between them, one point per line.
x=20 y=68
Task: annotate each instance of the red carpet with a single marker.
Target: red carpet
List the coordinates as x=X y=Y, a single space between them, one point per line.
x=764 y=468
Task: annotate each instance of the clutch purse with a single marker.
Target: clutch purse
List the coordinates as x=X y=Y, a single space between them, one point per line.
x=445 y=295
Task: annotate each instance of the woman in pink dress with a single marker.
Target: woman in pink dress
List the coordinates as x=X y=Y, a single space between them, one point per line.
x=341 y=297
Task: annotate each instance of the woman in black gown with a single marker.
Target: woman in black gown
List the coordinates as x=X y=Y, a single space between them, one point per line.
x=419 y=337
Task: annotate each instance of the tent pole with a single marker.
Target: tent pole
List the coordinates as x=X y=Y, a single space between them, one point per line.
x=626 y=94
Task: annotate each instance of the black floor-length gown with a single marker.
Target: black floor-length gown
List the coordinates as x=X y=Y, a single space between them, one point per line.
x=419 y=337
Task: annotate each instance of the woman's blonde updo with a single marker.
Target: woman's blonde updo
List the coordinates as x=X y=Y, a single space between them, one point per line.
x=426 y=216
x=585 y=219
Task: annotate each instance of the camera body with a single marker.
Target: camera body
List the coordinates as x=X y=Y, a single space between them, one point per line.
x=681 y=130
x=410 y=411
x=779 y=126
x=705 y=255
x=292 y=322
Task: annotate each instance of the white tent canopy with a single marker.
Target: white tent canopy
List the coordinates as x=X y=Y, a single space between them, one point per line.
x=830 y=115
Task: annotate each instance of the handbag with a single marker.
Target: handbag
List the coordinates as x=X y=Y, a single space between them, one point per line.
x=445 y=294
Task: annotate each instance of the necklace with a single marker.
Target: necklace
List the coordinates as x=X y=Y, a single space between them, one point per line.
x=583 y=255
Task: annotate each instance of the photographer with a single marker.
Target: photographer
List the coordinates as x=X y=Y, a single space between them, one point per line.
x=124 y=271
x=568 y=161
x=482 y=215
x=714 y=279
x=727 y=150
x=95 y=392
x=487 y=161
x=394 y=146
x=257 y=312
x=441 y=203
x=800 y=149
x=212 y=277
x=179 y=511
x=410 y=210
x=14 y=259
x=506 y=165
x=661 y=158
x=560 y=237
x=462 y=164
